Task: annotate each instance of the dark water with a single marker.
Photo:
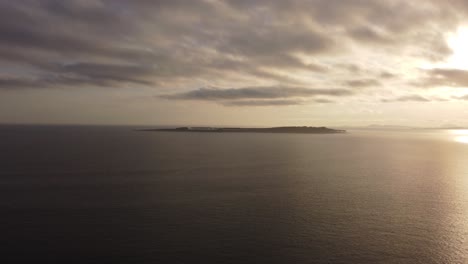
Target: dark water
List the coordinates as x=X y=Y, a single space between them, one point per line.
x=112 y=195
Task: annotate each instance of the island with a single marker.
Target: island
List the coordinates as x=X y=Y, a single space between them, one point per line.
x=286 y=129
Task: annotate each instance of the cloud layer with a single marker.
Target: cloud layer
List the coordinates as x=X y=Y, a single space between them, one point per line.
x=273 y=95
x=269 y=51
x=407 y=98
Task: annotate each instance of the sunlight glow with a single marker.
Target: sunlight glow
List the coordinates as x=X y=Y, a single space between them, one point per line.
x=458 y=42
x=460 y=135
x=462 y=139
x=463 y=132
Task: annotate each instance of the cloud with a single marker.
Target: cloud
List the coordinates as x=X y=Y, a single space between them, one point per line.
x=276 y=102
x=362 y=83
x=407 y=98
x=350 y=67
x=463 y=97
x=387 y=75
x=11 y=83
x=79 y=74
x=109 y=72
x=260 y=96
x=273 y=92
x=262 y=44
x=43 y=27
x=368 y=34
x=445 y=77
x=323 y=101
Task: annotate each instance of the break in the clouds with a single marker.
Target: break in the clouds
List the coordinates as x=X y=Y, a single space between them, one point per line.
x=263 y=52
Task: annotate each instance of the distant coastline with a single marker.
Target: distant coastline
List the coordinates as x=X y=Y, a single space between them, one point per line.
x=288 y=129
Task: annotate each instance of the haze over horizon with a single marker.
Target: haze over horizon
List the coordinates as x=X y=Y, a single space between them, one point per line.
x=234 y=63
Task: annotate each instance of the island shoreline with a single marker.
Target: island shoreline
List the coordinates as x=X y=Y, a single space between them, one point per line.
x=291 y=130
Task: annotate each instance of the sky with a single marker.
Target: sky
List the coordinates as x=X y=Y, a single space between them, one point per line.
x=234 y=62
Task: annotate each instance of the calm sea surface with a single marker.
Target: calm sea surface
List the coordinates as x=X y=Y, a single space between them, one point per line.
x=113 y=195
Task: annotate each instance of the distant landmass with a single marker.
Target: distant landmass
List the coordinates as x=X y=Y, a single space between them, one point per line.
x=288 y=129
x=397 y=127
x=379 y=127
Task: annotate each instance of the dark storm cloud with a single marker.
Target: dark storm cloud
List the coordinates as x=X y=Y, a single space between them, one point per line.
x=407 y=98
x=214 y=94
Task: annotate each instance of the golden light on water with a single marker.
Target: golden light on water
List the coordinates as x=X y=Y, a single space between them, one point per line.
x=460 y=135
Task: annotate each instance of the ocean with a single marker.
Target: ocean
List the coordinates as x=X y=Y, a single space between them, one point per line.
x=83 y=194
